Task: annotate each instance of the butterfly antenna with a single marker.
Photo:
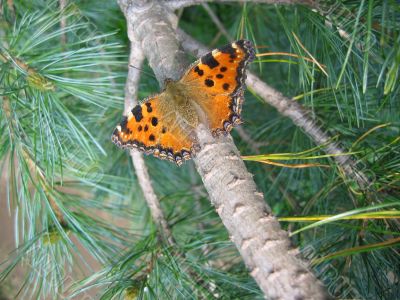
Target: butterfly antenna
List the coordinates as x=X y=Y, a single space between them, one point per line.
x=142 y=71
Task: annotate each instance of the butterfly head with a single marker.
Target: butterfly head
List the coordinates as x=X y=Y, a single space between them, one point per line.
x=168 y=81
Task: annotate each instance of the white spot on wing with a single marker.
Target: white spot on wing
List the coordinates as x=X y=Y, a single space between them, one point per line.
x=216 y=53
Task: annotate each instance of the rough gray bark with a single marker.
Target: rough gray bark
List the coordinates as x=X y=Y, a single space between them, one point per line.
x=264 y=246
x=293 y=110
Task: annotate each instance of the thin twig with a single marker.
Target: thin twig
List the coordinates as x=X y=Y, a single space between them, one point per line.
x=136 y=59
x=11 y=8
x=264 y=246
x=216 y=21
x=63 y=21
x=254 y=145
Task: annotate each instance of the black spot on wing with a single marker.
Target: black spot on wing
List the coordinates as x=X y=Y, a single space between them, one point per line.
x=220 y=76
x=198 y=71
x=123 y=124
x=229 y=50
x=151 y=137
x=137 y=113
x=154 y=121
x=149 y=108
x=209 y=82
x=225 y=86
x=124 y=127
x=146 y=127
x=223 y=69
x=210 y=61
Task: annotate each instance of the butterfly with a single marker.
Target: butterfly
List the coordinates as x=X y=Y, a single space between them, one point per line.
x=210 y=92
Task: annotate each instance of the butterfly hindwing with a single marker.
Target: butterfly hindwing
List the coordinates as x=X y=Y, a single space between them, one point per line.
x=221 y=75
x=150 y=130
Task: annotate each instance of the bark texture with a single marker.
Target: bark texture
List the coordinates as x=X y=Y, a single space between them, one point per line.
x=264 y=246
x=257 y=234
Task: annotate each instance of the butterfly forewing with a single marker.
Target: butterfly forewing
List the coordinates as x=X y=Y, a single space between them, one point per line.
x=220 y=75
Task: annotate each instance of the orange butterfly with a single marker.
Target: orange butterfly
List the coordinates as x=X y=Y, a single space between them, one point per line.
x=211 y=92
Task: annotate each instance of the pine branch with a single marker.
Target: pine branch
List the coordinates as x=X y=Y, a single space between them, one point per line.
x=35 y=172
x=296 y=112
x=263 y=245
x=46 y=144
x=177 y=4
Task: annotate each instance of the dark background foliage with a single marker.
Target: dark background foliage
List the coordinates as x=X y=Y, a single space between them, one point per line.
x=62 y=83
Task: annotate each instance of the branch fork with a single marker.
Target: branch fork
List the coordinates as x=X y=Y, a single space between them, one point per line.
x=264 y=246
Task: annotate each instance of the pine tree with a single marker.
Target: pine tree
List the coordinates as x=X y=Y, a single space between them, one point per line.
x=320 y=144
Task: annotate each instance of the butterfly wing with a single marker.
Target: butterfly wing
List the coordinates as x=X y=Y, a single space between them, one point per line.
x=151 y=130
x=221 y=75
x=216 y=83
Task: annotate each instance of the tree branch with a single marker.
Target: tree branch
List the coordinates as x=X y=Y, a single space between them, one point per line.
x=264 y=246
x=176 y=4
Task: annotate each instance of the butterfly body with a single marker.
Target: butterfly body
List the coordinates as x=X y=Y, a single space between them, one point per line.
x=210 y=92
x=179 y=100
